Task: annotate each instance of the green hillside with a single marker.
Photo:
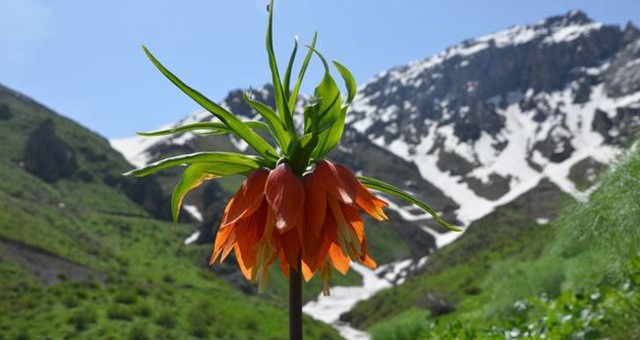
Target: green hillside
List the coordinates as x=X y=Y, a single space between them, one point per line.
x=576 y=278
x=80 y=259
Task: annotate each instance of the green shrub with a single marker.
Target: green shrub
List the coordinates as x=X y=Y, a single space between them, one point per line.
x=166 y=319
x=127 y=297
x=81 y=318
x=409 y=325
x=168 y=278
x=119 y=312
x=139 y=331
x=511 y=281
x=143 y=310
x=200 y=331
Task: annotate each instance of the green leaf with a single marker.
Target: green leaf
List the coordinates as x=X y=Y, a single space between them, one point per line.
x=211 y=127
x=226 y=117
x=349 y=81
x=281 y=101
x=195 y=175
x=211 y=133
x=325 y=114
x=287 y=74
x=249 y=162
x=375 y=184
x=302 y=152
x=296 y=88
x=275 y=124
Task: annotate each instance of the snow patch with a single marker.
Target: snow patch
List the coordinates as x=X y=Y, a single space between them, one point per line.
x=135 y=149
x=570 y=33
x=542 y=221
x=193 y=211
x=342 y=299
x=192 y=238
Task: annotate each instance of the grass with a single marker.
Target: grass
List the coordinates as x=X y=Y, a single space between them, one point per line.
x=458 y=270
x=576 y=278
x=150 y=280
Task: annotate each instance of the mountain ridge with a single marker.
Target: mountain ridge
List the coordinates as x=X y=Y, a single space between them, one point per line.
x=452 y=105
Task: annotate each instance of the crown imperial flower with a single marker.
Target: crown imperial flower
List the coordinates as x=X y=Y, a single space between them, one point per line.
x=317 y=217
x=295 y=206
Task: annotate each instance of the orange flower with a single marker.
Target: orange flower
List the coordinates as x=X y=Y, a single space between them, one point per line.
x=334 y=230
x=315 y=220
x=267 y=201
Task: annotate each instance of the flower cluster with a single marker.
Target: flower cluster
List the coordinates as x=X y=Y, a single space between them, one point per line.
x=312 y=222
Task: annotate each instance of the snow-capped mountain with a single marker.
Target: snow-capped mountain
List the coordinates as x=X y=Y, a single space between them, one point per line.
x=483 y=122
x=486 y=120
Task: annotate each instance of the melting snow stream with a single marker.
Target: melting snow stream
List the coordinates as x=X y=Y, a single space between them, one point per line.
x=329 y=308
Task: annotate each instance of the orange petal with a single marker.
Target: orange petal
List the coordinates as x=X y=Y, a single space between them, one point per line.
x=316 y=248
x=290 y=244
x=346 y=235
x=307 y=273
x=228 y=246
x=328 y=177
x=224 y=238
x=366 y=260
x=223 y=222
x=284 y=266
x=267 y=247
x=247 y=199
x=285 y=194
x=364 y=198
x=248 y=233
x=315 y=204
x=352 y=217
x=247 y=272
x=339 y=260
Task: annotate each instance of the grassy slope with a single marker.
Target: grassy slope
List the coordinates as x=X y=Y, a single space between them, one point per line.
x=457 y=271
x=577 y=278
x=145 y=283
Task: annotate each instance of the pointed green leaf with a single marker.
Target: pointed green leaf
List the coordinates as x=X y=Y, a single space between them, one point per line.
x=250 y=162
x=281 y=101
x=349 y=81
x=296 y=88
x=302 y=152
x=211 y=128
x=326 y=114
x=211 y=133
x=287 y=74
x=226 y=117
x=375 y=184
x=275 y=124
x=195 y=175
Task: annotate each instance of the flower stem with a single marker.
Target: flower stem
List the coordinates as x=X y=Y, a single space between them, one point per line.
x=295 y=303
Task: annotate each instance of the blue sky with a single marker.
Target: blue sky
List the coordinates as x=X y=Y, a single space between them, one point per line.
x=83 y=58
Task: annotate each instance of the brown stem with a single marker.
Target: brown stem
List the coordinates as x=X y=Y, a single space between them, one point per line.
x=295 y=303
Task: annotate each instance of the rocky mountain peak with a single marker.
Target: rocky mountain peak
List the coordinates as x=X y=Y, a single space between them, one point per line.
x=575 y=17
x=494 y=115
x=631 y=33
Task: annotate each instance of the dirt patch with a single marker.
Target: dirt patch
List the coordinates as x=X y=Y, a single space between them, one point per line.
x=48 y=267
